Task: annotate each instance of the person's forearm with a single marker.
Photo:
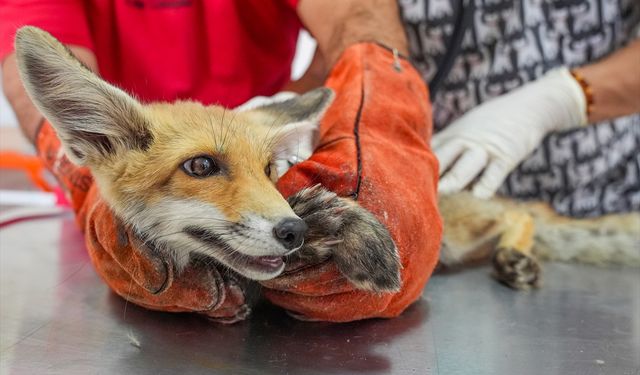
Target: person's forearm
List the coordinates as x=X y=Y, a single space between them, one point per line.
x=313 y=77
x=615 y=84
x=336 y=24
x=27 y=114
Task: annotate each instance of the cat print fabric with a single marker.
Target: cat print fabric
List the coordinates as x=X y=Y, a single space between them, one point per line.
x=504 y=44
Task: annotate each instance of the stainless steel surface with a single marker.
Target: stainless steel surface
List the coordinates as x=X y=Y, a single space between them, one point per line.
x=56 y=316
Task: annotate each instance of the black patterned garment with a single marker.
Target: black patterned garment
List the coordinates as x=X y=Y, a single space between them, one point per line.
x=502 y=44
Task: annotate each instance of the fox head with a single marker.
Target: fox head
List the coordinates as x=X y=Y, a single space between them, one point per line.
x=188 y=178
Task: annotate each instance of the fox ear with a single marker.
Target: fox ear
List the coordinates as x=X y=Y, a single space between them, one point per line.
x=294 y=142
x=93 y=119
x=296 y=119
x=308 y=107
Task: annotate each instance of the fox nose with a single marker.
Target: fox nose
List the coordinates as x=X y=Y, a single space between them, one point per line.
x=290 y=232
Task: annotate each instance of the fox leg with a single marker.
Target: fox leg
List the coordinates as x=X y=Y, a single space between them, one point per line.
x=359 y=244
x=513 y=261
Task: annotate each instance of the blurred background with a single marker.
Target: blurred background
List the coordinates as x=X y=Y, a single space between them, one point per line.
x=7 y=119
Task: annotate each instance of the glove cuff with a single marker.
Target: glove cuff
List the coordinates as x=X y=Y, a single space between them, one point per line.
x=568 y=91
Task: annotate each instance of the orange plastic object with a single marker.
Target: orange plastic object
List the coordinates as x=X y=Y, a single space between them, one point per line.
x=31 y=165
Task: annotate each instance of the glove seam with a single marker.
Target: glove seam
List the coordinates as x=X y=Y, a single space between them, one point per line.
x=335 y=140
x=356 y=133
x=166 y=282
x=150 y=250
x=221 y=293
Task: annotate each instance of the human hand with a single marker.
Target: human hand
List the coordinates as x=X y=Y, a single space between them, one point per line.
x=488 y=142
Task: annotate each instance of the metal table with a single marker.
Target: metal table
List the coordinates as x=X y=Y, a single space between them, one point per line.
x=57 y=317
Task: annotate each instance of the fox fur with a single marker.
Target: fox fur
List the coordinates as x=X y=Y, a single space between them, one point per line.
x=143 y=156
x=136 y=153
x=516 y=234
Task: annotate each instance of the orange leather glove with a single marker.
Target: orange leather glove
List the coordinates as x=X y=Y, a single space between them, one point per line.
x=374 y=148
x=132 y=269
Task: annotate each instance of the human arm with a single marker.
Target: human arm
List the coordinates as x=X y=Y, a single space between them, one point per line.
x=488 y=142
x=336 y=24
x=313 y=77
x=615 y=83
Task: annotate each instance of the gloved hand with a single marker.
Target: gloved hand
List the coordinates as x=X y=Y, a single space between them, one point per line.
x=373 y=148
x=491 y=140
x=132 y=269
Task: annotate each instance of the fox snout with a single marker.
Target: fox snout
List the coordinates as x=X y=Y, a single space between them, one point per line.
x=290 y=233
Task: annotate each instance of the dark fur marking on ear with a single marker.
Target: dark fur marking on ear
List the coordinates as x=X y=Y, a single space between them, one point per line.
x=136 y=136
x=361 y=277
x=304 y=107
x=143 y=139
x=76 y=153
x=140 y=140
x=85 y=111
x=100 y=141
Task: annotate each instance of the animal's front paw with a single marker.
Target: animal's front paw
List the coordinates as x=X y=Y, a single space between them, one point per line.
x=516 y=269
x=361 y=246
x=367 y=254
x=322 y=211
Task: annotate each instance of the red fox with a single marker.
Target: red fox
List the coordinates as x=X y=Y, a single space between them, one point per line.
x=198 y=180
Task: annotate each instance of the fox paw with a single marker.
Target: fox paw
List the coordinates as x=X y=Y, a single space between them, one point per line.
x=367 y=255
x=322 y=211
x=516 y=269
x=360 y=245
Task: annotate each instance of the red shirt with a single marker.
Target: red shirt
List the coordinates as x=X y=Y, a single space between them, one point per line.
x=213 y=51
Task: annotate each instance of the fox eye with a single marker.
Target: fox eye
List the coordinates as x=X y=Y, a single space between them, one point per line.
x=201 y=166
